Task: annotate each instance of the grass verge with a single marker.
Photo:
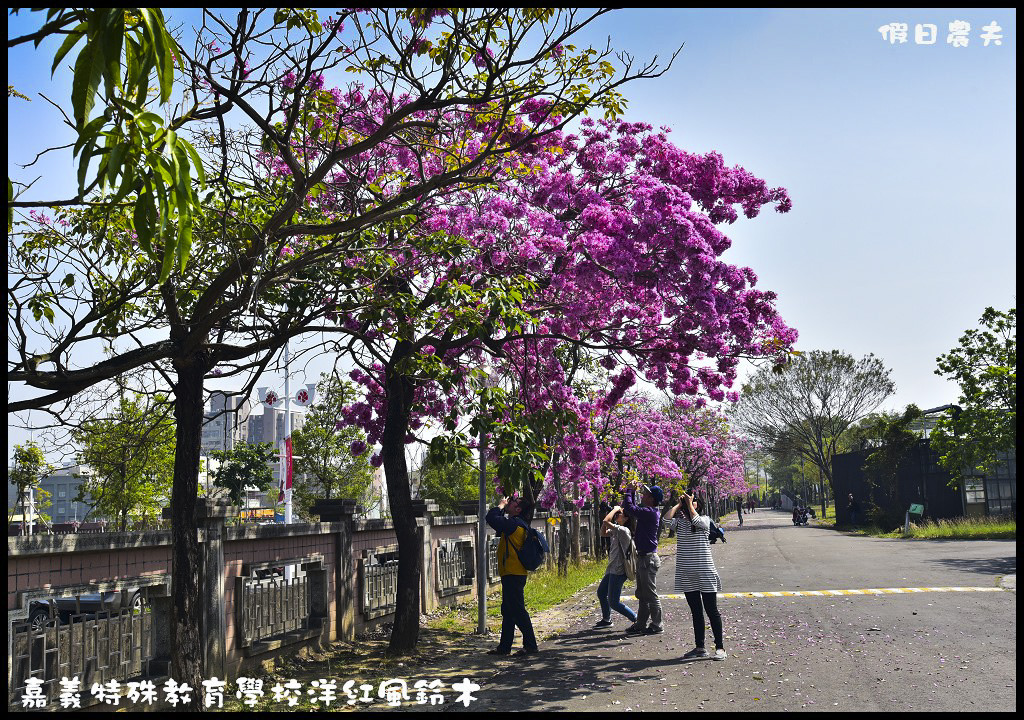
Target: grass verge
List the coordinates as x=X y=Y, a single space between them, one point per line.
x=830 y=516
x=965 y=529
x=544 y=590
x=980 y=528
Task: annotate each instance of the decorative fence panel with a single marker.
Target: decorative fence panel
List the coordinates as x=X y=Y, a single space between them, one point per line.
x=585 y=538
x=556 y=542
x=379 y=581
x=455 y=566
x=492 y=557
x=273 y=606
x=72 y=637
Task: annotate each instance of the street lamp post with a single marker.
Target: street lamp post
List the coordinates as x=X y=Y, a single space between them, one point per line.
x=285 y=456
x=29 y=521
x=481 y=533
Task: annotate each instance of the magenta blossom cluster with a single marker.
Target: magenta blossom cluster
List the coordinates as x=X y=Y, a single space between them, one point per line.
x=684 y=446
x=609 y=239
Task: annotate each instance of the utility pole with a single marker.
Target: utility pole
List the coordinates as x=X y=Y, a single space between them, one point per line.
x=481 y=540
x=481 y=533
x=286 y=465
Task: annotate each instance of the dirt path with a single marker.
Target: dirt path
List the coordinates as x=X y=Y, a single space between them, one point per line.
x=448 y=655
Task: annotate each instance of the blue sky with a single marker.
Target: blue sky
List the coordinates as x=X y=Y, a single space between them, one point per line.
x=900 y=160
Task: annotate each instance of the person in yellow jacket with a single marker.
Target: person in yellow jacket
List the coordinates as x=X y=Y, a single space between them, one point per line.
x=512 y=530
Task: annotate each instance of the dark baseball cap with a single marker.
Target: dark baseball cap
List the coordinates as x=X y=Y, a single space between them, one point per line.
x=657 y=492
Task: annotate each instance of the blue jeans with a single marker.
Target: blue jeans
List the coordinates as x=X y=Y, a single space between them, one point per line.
x=514 y=614
x=608 y=593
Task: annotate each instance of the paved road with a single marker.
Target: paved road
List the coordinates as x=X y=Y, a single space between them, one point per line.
x=916 y=651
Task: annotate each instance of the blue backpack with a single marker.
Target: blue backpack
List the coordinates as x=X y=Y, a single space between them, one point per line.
x=535 y=547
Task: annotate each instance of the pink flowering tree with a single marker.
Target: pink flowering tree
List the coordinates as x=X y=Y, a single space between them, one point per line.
x=305 y=224
x=606 y=242
x=636 y=437
x=685 y=446
x=706 y=450
x=557 y=384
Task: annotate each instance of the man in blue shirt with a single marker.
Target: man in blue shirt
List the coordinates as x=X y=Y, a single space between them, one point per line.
x=648 y=518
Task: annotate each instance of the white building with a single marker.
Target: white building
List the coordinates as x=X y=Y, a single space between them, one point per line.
x=63 y=486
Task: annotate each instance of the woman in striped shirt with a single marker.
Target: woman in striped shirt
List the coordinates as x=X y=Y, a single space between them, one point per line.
x=696 y=575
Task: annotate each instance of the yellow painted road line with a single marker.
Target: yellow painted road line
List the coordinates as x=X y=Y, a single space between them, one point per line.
x=842 y=593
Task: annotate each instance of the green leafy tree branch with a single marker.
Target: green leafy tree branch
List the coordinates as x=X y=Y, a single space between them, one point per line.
x=970 y=438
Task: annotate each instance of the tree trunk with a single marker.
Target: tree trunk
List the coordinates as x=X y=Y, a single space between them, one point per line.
x=824 y=465
x=821 y=488
x=405 y=632
x=563 y=529
x=186 y=646
x=575 y=546
x=563 y=542
x=23 y=504
x=124 y=509
x=595 y=527
x=618 y=478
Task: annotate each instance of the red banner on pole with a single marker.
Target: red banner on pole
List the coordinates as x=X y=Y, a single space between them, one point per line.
x=288 y=460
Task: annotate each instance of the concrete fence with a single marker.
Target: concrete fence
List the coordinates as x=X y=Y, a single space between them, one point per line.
x=98 y=605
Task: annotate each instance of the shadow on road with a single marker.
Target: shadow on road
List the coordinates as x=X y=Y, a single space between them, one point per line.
x=593 y=638
x=559 y=673
x=981 y=566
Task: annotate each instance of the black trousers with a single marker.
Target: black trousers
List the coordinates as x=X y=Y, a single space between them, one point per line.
x=701 y=602
x=514 y=614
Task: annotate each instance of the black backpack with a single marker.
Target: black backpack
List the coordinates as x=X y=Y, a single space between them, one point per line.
x=535 y=547
x=715 y=533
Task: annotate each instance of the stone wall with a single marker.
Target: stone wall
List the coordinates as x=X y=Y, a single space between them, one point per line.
x=240 y=571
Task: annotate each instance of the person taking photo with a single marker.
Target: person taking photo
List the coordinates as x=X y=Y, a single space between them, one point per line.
x=696 y=575
x=510 y=519
x=610 y=589
x=648 y=518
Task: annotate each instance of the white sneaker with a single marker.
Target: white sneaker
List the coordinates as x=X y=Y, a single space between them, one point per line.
x=720 y=654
